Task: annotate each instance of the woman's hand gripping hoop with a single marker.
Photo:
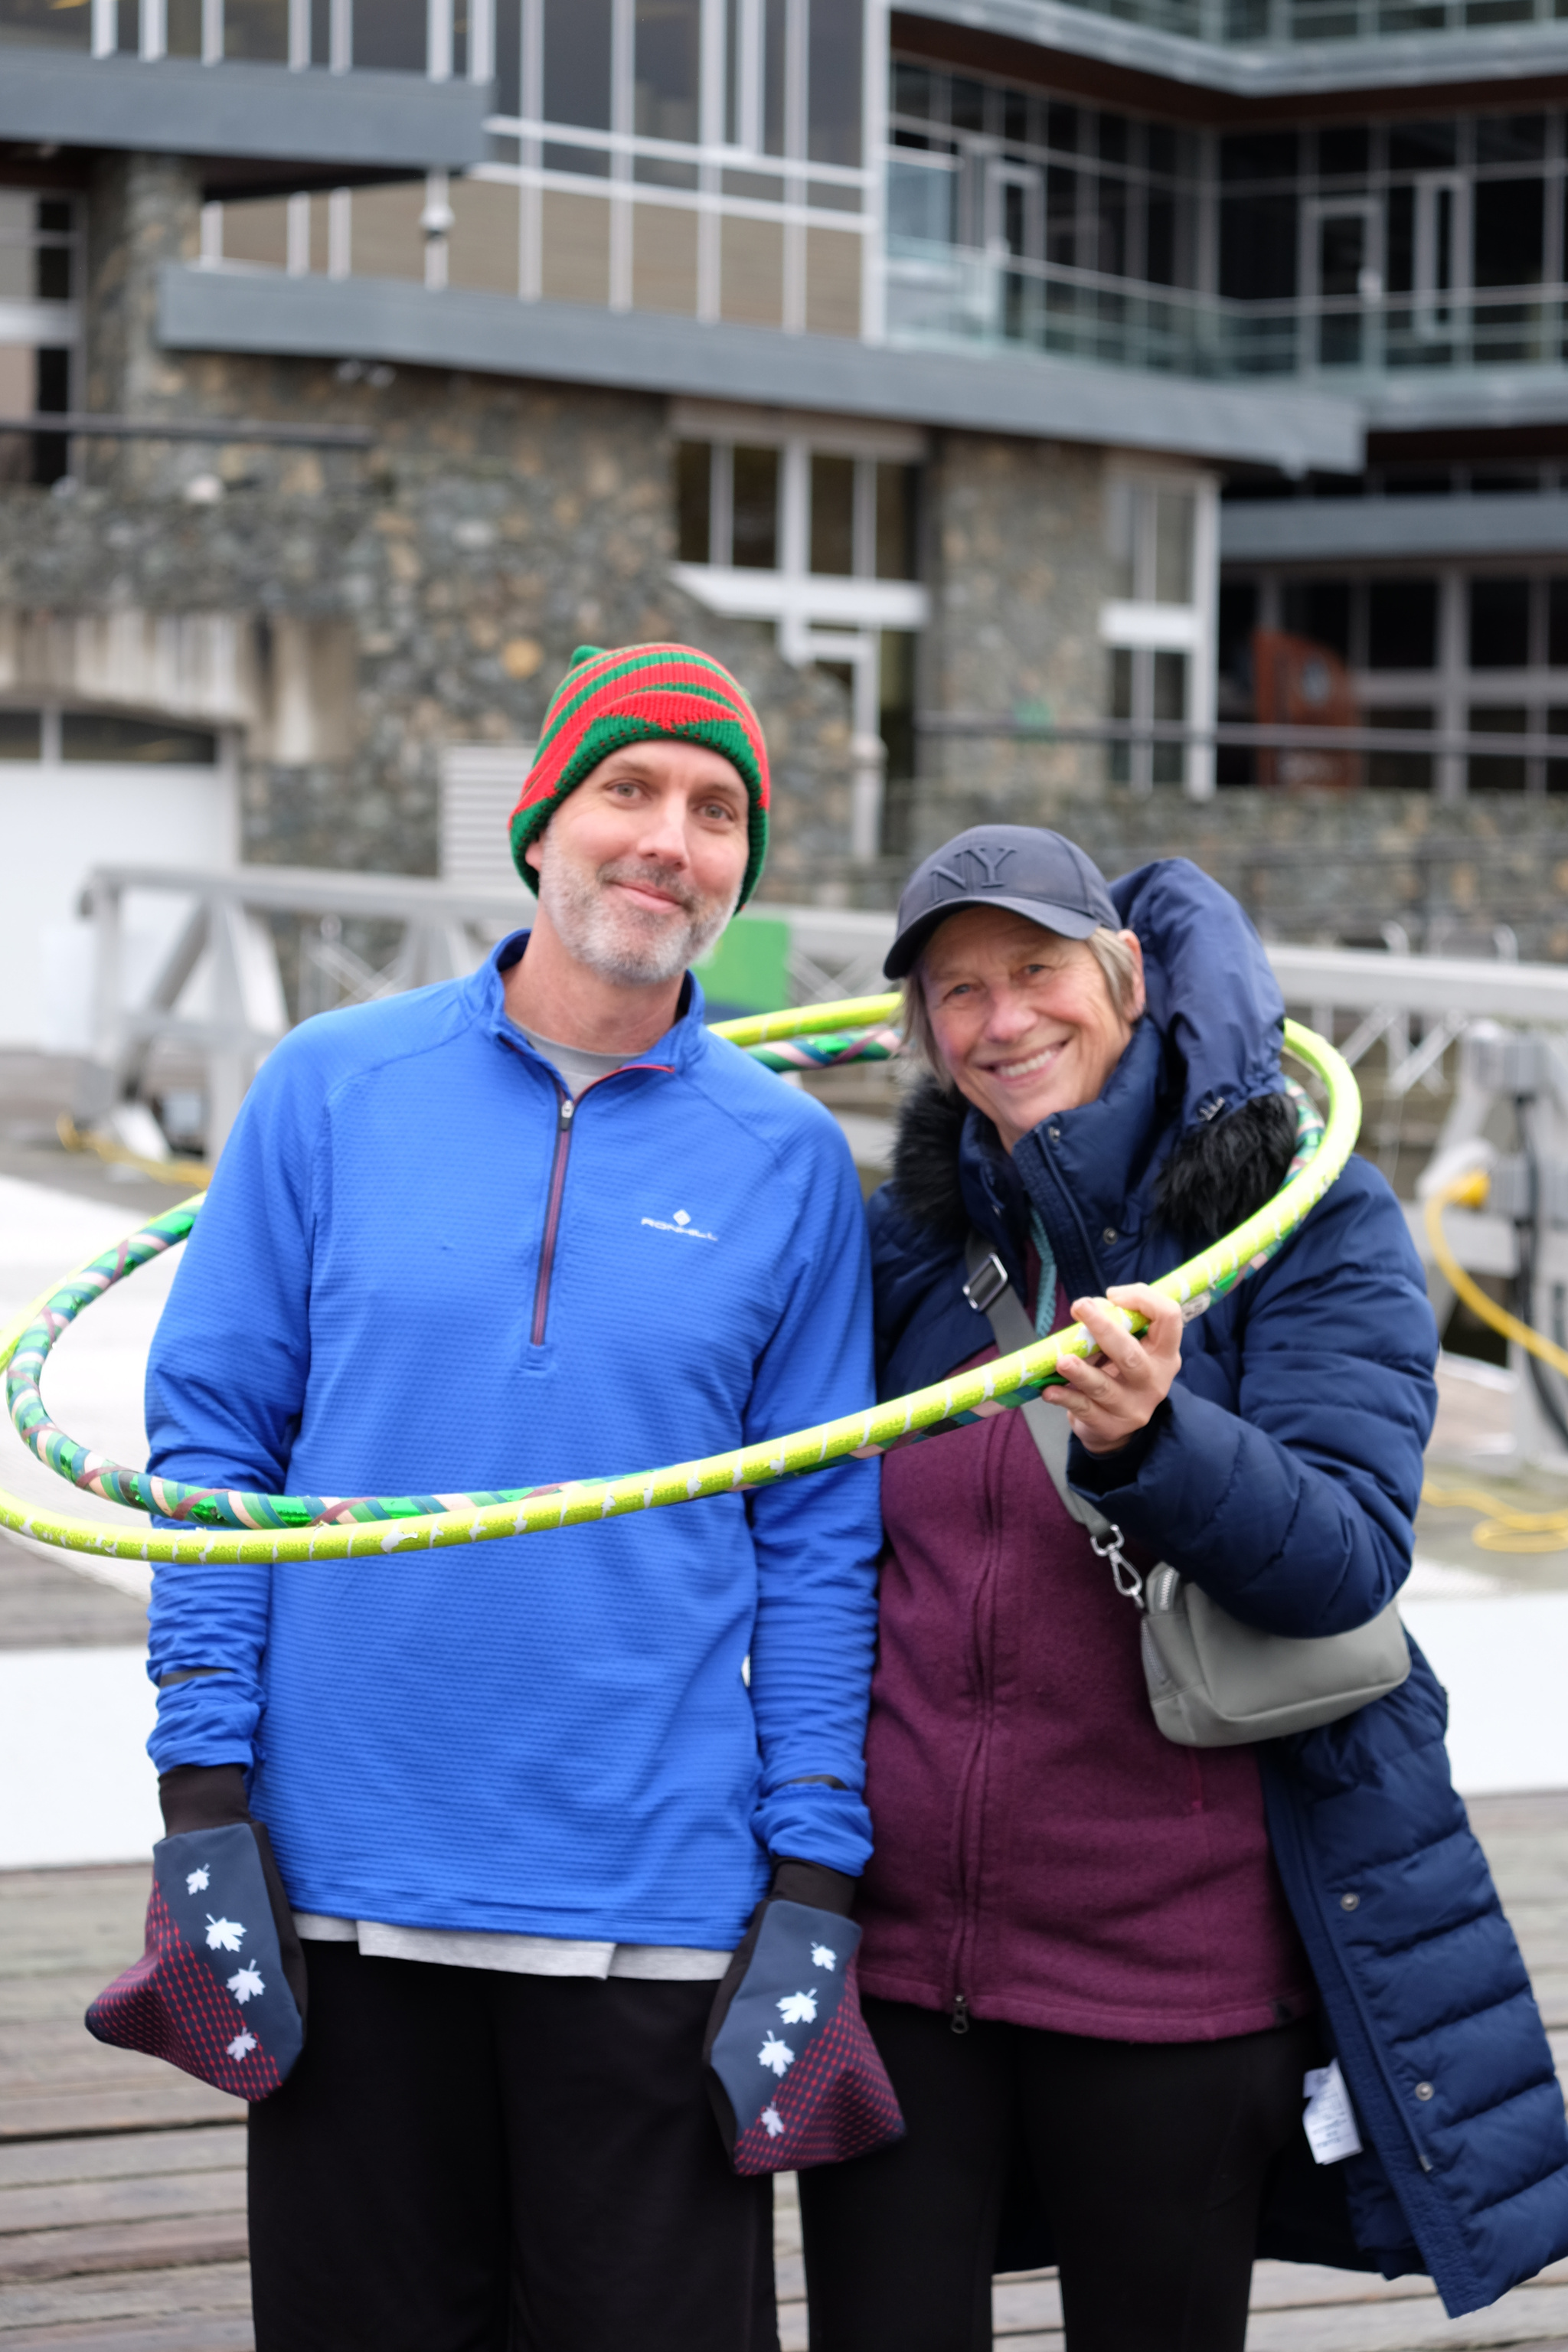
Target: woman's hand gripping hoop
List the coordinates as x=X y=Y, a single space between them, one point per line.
x=229 y=1526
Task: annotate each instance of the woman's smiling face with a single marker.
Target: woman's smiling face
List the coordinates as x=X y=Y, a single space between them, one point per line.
x=1025 y=1019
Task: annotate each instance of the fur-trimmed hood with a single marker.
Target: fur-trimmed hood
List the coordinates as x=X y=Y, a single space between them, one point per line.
x=1216 y=1175
x=1190 y=1134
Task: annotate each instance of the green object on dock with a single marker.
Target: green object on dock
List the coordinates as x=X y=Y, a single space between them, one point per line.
x=748 y=971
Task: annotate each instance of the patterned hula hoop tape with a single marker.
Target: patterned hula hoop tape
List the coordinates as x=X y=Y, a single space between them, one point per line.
x=228 y=1527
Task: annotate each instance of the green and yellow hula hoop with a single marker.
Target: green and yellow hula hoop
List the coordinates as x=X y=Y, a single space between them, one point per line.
x=229 y=1527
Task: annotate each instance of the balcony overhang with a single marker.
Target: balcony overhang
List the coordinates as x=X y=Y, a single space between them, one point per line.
x=564 y=343
x=1333 y=530
x=1256 y=71
x=366 y=121
x=1432 y=399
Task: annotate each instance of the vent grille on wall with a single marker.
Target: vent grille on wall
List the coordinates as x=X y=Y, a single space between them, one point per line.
x=481 y=786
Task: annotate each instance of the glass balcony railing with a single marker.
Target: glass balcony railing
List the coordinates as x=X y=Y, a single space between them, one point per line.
x=941 y=296
x=418 y=37
x=1286 y=23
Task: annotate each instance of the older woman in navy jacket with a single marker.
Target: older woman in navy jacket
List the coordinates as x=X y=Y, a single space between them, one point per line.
x=1098 y=1966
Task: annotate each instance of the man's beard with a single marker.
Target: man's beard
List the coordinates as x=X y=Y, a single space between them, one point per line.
x=614 y=937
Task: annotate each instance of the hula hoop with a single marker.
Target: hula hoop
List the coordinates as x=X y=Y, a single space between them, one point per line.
x=233 y=1528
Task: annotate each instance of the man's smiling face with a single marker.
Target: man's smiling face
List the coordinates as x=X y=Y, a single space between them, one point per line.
x=640 y=868
x=1025 y=1019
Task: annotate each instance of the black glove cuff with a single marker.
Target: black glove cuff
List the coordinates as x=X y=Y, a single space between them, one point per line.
x=201 y=1796
x=813 y=1883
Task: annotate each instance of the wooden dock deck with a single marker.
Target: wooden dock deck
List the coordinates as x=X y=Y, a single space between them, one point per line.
x=123 y=2182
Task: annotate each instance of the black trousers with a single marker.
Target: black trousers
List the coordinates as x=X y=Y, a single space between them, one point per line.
x=464 y=2161
x=1151 y=2159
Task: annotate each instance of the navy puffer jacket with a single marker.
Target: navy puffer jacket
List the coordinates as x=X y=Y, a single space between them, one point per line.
x=1282 y=1473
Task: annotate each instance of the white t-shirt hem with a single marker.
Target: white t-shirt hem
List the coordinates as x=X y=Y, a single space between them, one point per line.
x=522 y=1956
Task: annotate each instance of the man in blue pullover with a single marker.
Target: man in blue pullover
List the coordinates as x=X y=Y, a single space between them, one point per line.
x=535 y=1225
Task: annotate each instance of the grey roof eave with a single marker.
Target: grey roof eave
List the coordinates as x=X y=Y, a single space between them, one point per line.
x=1322 y=531
x=1420 y=60
x=176 y=107
x=386 y=319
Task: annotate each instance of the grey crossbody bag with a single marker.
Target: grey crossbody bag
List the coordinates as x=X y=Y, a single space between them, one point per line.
x=1213 y=1681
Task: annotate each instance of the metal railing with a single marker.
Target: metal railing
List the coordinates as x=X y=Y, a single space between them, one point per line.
x=226 y=938
x=431 y=37
x=1283 y=23
x=230 y=932
x=1434 y=758
x=940 y=294
x=217 y=998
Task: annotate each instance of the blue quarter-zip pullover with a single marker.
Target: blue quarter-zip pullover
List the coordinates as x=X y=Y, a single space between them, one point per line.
x=422 y=1267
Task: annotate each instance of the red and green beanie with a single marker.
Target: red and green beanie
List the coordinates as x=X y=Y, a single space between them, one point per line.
x=606 y=699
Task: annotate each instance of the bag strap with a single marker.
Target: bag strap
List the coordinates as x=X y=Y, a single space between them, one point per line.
x=990 y=1293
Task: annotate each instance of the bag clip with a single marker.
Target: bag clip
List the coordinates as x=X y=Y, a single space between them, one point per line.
x=985 y=1284
x=1128 y=1581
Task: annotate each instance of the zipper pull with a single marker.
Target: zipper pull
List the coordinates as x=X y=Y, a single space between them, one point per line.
x=567 y=1108
x=959 y=2013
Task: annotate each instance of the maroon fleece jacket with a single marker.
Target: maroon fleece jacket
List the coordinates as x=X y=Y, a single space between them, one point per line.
x=1041 y=1848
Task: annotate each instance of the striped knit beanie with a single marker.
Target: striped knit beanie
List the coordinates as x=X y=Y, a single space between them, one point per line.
x=606 y=699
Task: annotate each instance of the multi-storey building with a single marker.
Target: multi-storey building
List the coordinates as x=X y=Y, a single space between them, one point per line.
x=981 y=379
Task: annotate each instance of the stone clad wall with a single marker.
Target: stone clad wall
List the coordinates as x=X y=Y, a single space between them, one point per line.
x=1334 y=867
x=429 y=591
x=348 y=613
x=1015 y=546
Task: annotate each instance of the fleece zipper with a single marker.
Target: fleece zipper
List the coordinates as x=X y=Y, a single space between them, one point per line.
x=565 y=1113
x=975 y=1775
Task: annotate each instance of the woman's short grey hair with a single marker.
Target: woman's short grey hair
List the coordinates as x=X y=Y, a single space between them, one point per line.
x=1109 y=950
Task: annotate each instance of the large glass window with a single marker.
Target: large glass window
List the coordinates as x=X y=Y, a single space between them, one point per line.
x=821 y=541
x=754 y=509
x=21 y=734
x=389 y=35
x=1500 y=624
x=577 y=52
x=832 y=515
x=258 y=29
x=694 y=502
x=1402 y=625
x=44 y=24
x=1149 y=540
x=667 y=70
x=39 y=264
x=858 y=520
x=87 y=735
x=1510 y=232
x=1156 y=625
x=1367 y=247
x=1044 y=208
x=833 y=85
x=1319 y=610
x=1478 y=658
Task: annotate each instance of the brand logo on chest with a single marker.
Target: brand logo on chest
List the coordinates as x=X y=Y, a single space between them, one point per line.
x=681 y=1222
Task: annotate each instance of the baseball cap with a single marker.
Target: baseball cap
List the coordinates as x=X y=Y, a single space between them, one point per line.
x=1019 y=867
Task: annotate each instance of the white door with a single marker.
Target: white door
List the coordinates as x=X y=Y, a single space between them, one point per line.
x=86 y=791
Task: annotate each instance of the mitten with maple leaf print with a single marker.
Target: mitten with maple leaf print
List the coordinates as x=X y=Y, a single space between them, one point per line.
x=792 y=2074
x=219 y=1990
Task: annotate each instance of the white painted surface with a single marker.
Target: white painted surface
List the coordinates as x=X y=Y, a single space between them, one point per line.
x=1504 y=1663
x=93 y=1382
x=75 y=1782
x=58 y=821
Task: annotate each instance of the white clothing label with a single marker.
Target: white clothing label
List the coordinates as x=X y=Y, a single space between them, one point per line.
x=1330 y=2120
